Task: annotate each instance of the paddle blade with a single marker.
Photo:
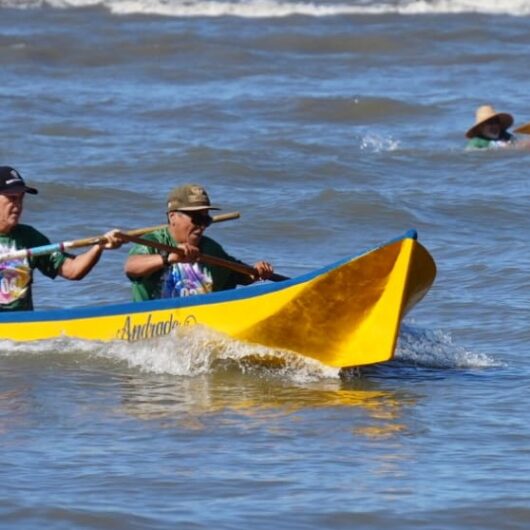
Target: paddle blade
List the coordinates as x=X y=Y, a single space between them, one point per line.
x=523 y=129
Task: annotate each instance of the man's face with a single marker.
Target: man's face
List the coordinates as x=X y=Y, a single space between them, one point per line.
x=188 y=227
x=492 y=130
x=10 y=210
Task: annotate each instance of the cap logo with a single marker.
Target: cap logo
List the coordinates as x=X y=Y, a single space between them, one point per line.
x=16 y=178
x=197 y=195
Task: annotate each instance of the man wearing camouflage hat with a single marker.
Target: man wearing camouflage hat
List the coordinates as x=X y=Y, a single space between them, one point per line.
x=158 y=274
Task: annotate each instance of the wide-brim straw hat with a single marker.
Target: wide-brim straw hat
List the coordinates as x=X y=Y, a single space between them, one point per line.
x=485 y=114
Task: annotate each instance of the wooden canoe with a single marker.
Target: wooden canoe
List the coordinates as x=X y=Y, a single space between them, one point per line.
x=345 y=314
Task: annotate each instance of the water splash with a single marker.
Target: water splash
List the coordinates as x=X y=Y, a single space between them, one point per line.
x=195 y=351
x=436 y=349
x=377 y=144
x=189 y=352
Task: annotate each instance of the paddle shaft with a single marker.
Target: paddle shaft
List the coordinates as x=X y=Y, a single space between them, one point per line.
x=89 y=241
x=205 y=258
x=215 y=219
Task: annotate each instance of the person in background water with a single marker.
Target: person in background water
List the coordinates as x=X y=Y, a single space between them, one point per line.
x=157 y=274
x=490 y=129
x=16 y=276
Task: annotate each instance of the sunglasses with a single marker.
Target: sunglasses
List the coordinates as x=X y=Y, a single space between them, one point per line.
x=199 y=219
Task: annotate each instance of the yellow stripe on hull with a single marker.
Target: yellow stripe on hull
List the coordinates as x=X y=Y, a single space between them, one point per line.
x=347 y=314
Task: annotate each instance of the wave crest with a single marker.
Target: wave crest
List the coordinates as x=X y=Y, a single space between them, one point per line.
x=279 y=9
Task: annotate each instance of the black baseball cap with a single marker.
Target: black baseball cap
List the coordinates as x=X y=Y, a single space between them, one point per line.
x=11 y=181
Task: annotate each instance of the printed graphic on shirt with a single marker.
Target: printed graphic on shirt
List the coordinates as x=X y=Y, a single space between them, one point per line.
x=15 y=277
x=185 y=279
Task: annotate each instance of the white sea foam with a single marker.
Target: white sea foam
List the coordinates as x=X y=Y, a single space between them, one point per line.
x=374 y=143
x=274 y=8
x=189 y=352
x=436 y=349
x=195 y=351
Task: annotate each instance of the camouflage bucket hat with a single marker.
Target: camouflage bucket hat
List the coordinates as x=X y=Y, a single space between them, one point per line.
x=189 y=198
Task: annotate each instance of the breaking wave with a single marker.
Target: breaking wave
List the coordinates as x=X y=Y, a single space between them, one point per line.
x=279 y=9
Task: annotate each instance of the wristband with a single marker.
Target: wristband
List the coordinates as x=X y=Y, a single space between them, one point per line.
x=165 y=257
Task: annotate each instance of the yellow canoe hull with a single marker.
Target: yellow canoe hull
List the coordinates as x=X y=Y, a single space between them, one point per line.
x=345 y=314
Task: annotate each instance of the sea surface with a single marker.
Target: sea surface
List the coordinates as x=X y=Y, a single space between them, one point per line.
x=331 y=126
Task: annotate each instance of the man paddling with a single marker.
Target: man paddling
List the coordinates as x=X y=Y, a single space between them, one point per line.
x=490 y=129
x=160 y=274
x=16 y=276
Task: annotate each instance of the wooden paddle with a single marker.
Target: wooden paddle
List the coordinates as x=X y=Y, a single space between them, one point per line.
x=523 y=129
x=89 y=241
x=205 y=258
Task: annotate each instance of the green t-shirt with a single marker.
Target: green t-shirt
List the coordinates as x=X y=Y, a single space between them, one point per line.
x=478 y=142
x=16 y=276
x=183 y=279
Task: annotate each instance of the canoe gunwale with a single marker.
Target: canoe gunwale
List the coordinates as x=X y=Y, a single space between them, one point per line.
x=191 y=301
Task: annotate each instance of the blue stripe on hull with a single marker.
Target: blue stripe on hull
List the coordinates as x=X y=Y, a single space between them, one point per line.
x=190 y=301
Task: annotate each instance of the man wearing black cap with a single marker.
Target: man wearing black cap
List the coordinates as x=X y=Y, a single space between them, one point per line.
x=158 y=274
x=16 y=276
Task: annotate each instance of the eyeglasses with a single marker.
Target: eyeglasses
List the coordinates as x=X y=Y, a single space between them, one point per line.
x=199 y=219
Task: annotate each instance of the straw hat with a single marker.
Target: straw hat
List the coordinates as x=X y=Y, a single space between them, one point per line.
x=486 y=113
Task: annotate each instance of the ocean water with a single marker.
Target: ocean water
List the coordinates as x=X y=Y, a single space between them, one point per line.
x=331 y=127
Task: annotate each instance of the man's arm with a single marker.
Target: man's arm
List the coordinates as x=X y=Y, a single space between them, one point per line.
x=77 y=267
x=140 y=265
